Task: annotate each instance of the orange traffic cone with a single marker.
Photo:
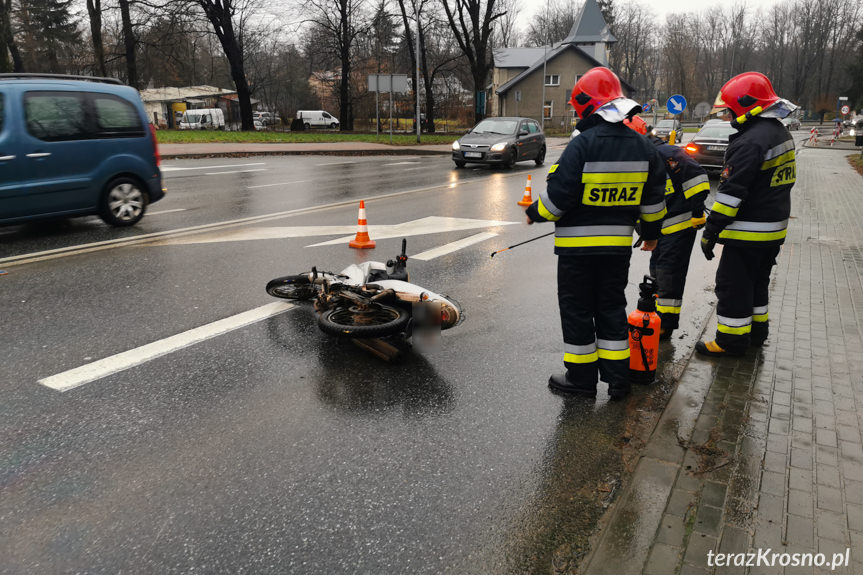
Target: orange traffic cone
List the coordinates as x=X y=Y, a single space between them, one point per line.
x=527 y=199
x=362 y=241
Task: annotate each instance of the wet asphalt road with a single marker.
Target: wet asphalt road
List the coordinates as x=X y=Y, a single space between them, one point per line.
x=274 y=448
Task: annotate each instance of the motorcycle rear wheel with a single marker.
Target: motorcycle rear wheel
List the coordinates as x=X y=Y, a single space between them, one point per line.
x=291 y=287
x=377 y=321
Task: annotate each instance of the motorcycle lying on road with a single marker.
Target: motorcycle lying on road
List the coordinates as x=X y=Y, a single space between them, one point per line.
x=369 y=300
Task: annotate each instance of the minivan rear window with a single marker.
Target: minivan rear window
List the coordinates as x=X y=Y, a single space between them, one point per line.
x=116 y=118
x=56 y=116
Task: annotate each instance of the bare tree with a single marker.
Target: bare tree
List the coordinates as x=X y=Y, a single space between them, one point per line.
x=344 y=22
x=129 y=43
x=553 y=23
x=229 y=20
x=507 y=33
x=472 y=24
x=94 y=9
x=635 y=30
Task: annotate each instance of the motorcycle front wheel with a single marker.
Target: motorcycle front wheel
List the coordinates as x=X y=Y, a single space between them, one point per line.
x=375 y=321
x=291 y=287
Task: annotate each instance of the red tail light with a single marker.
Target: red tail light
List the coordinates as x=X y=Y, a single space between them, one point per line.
x=691 y=148
x=156 y=156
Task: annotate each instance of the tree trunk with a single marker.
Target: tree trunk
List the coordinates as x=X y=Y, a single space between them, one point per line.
x=7 y=39
x=346 y=116
x=129 y=43
x=479 y=76
x=220 y=14
x=427 y=80
x=5 y=62
x=413 y=56
x=94 y=9
x=244 y=94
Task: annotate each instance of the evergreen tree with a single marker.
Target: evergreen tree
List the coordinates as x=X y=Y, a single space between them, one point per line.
x=855 y=71
x=49 y=30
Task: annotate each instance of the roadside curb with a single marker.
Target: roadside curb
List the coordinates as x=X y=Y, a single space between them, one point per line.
x=626 y=534
x=246 y=154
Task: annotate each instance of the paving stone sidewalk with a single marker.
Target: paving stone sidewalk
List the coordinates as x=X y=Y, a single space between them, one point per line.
x=774 y=457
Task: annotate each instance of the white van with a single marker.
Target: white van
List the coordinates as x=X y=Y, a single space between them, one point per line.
x=203 y=119
x=317 y=118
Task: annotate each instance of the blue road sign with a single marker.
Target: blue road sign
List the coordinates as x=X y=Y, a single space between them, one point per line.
x=676 y=104
x=646 y=107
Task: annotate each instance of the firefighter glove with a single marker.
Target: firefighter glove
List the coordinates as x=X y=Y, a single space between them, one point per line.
x=708 y=242
x=698 y=223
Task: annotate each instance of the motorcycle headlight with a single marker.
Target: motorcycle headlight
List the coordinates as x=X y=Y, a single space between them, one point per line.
x=653 y=132
x=499 y=147
x=455 y=146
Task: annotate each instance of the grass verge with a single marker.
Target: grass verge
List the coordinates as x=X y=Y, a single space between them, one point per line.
x=856 y=161
x=206 y=137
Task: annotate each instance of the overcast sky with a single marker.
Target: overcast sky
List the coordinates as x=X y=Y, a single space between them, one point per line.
x=660 y=7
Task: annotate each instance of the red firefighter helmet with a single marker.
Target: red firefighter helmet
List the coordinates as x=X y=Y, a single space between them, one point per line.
x=597 y=87
x=636 y=123
x=745 y=92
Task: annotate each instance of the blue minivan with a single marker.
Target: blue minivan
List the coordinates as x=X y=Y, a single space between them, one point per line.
x=74 y=146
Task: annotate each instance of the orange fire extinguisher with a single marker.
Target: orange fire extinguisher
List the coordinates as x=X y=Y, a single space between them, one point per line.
x=644 y=334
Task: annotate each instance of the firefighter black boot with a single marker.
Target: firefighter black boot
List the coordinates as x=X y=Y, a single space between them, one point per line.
x=560 y=383
x=712 y=349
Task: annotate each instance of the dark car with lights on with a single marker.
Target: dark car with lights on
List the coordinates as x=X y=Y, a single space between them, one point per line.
x=664 y=128
x=708 y=146
x=501 y=141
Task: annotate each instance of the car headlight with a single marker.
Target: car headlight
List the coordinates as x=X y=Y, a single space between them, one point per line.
x=456 y=146
x=499 y=147
x=851 y=133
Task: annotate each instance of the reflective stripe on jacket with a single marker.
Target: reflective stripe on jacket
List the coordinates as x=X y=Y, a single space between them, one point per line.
x=685 y=190
x=753 y=203
x=607 y=180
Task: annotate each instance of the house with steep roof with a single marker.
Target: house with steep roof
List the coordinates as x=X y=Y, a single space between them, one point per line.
x=537 y=82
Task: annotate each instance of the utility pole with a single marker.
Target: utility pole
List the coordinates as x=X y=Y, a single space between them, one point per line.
x=544 y=58
x=542 y=108
x=417 y=85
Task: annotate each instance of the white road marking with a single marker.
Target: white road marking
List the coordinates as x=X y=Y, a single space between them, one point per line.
x=122 y=361
x=400 y=163
x=79 y=249
x=337 y=164
x=422 y=226
x=427 y=225
x=166 y=212
x=453 y=246
x=235 y=172
x=279 y=184
x=179 y=169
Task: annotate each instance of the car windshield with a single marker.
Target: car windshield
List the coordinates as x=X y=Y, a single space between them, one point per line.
x=495 y=126
x=721 y=132
x=193 y=118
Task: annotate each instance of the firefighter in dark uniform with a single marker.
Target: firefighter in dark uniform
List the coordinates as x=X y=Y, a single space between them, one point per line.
x=686 y=188
x=751 y=211
x=606 y=180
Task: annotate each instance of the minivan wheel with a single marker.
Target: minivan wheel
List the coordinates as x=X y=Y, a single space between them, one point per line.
x=307 y=125
x=123 y=203
x=333 y=125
